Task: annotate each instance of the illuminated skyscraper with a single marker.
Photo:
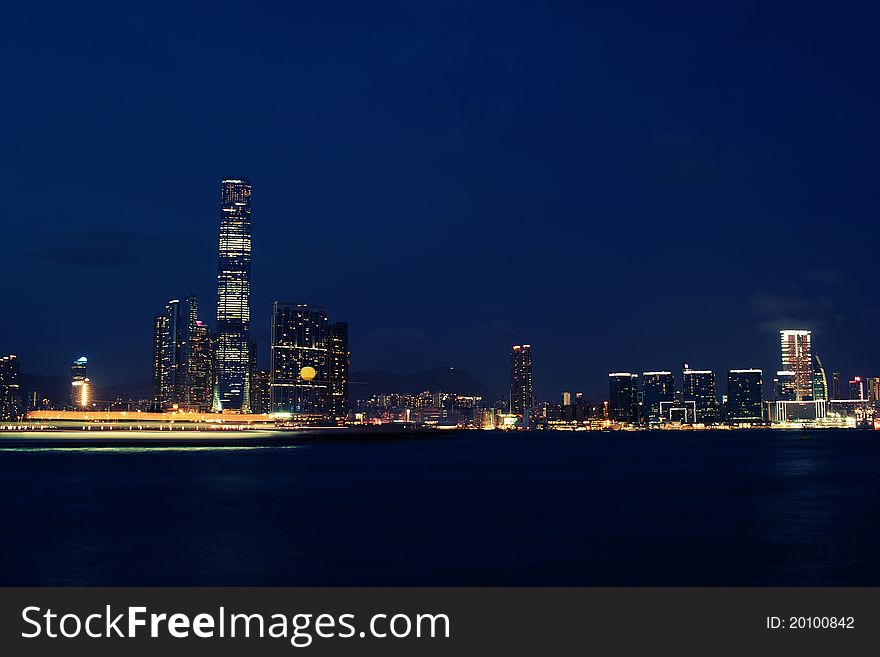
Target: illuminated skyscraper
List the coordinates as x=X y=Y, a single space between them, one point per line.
x=194 y=389
x=857 y=388
x=835 y=386
x=623 y=399
x=80 y=386
x=521 y=397
x=166 y=356
x=820 y=380
x=10 y=397
x=260 y=396
x=797 y=357
x=698 y=386
x=657 y=387
x=233 y=297
x=784 y=386
x=300 y=360
x=338 y=371
x=745 y=397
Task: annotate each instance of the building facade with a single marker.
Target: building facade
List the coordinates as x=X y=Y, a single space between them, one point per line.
x=522 y=399
x=797 y=357
x=820 y=380
x=745 y=396
x=340 y=362
x=698 y=386
x=80 y=386
x=623 y=397
x=10 y=388
x=657 y=387
x=233 y=298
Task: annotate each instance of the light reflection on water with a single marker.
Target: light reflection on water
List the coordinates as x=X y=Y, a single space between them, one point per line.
x=142 y=450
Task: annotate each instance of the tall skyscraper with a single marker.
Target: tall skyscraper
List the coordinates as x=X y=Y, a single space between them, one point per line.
x=80 y=386
x=233 y=297
x=873 y=389
x=835 y=386
x=820 y=380
x=745 y=396
x=167 y=356
x=657 y=387
x=194 y=389
x=522 y=400
x=698 y=386
x=623 y=397
x=797 y=357
x=300 y=360
x=339 y=365
x=10 y=391
x=260 y=391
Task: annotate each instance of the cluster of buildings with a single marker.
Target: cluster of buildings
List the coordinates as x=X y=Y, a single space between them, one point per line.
x=800 y=396
x=196 y=371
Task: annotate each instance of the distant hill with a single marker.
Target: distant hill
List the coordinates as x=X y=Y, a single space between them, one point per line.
x=56 y=388
x=126 y=391
x=443 y=379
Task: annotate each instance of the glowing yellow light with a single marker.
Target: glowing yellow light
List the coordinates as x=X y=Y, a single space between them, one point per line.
x=308 y=373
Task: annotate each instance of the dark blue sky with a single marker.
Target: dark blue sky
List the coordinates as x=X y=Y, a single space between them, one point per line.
x=624 y=185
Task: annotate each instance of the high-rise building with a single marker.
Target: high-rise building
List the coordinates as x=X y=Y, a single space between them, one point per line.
x=194 y=379
x=873 y=389
x=698 y=386
x=80 y=386
x=657 y=387
x=167 y=356
x=835 y=386
x=797 y=357
x=784 y=386
x=340 y=360
x=521 y=397
x=857 y=388
x=300 y=382
x=233 y=297
x=623 y=397
x=10 y=390
x=260 y=395
x=745 y=396
x=820 y=381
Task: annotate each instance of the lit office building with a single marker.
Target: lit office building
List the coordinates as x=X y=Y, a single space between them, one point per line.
x=835 y=386
x=820 y=381
x=657 y=387
x=784 y=386
x=260 y=396
x=521 y=397
x=797 y=357
x=309 y=364
x=623 y=397
x=340 y=360
x=745 y=397
x=194 y=369
x=10 y=391
x=233 y=298
x=857 y=388
x=166 y=356
x=698 y=386
x=873 y=389
x=80 y=386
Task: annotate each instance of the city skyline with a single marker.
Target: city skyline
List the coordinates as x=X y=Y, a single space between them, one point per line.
x=620 y=193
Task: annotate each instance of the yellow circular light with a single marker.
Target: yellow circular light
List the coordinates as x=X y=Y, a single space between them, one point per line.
x=308 y=373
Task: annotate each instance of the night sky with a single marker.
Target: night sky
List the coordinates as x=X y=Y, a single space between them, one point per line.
x=624 y=186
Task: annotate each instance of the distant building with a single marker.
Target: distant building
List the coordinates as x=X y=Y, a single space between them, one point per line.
x=310 y=364
x=873 y=389
x=623 y=397
x=835 y=386
x=261 y=401
x=522 y=398
x=340 y=363
x=857 y=388
x=657 y=387
x=820 y=381
x=166 y=356
x=10 y=390
x=745 y=397
x=784 y=388
x=698 y=386
x=80 y=386
x=233 y=298
x=797 y=357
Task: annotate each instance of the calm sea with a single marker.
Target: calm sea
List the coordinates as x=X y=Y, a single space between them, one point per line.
x=469 y=508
